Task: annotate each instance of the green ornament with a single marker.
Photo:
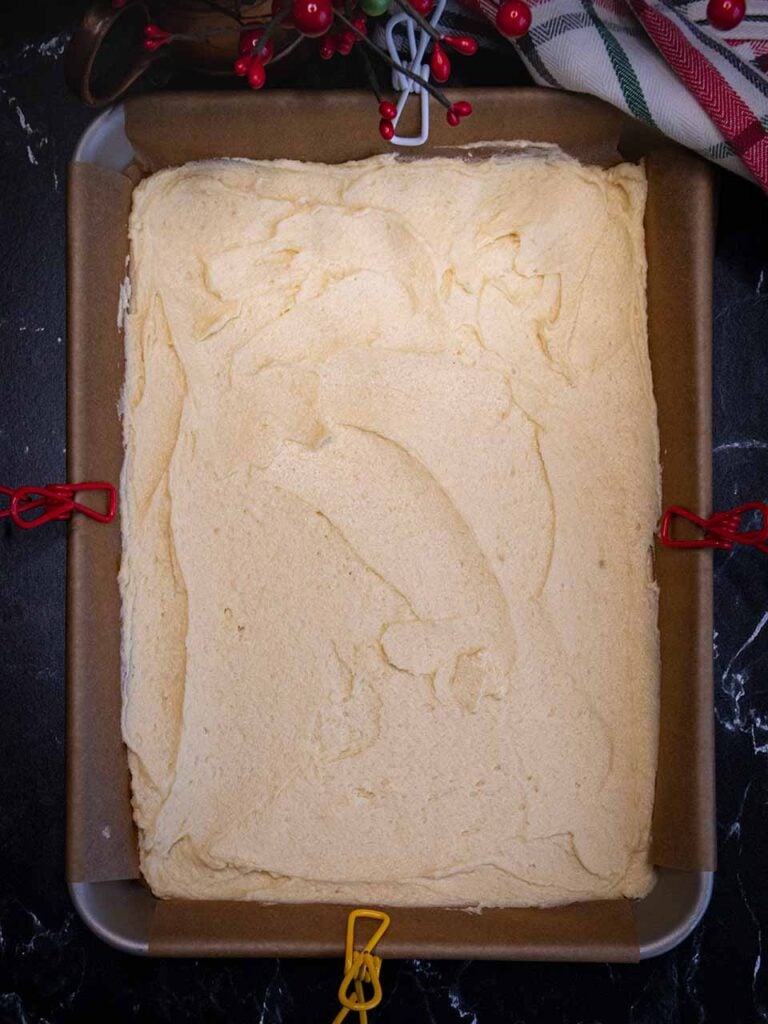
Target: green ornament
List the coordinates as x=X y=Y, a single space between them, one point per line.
x=373 y=8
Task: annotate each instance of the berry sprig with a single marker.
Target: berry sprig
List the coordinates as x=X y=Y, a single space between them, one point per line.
x=338 y=31
x=155 y=37
x=458 y=110
x=385 y=124
x=255 y=53
x=388 y=111
x=439 y=62
x=342 y=42
x=256 y=48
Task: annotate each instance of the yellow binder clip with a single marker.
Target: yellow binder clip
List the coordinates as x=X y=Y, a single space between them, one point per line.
x=361 y=967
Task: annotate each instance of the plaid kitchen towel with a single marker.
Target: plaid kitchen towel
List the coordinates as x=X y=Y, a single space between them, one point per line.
x=661 y=61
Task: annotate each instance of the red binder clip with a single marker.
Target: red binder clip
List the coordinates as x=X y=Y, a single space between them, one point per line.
x=55 y=501
x=721 y=530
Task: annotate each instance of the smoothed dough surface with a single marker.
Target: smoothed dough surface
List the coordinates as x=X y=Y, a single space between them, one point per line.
x=390 y=484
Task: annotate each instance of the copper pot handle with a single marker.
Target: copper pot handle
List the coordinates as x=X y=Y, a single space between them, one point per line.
x=99 y=22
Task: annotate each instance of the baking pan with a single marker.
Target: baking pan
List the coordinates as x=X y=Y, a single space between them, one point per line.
x=151 y=132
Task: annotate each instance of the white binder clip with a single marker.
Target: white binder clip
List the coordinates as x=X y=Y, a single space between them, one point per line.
x=417 y=40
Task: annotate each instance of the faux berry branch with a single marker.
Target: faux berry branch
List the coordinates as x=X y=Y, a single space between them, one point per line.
x=341 y=26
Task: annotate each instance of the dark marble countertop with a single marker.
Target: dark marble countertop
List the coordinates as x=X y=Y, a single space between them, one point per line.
x=52 y=969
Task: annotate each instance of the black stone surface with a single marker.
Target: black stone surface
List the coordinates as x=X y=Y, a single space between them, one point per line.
x=51 y=968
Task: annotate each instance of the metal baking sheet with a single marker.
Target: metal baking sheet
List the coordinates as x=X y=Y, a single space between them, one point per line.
x=103 y=872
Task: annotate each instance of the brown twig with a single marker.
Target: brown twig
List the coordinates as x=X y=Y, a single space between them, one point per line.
x=270 y=28
x=370 y=74
x=234 y=15
x=420 y=20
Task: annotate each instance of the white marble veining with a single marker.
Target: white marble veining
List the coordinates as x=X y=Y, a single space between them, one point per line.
x=746 y=445
x=760 y=1006
x=741 y=714
x=691 y=977
x=273 y=998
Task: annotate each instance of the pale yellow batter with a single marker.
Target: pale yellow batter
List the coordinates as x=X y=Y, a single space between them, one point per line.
x=391 y=479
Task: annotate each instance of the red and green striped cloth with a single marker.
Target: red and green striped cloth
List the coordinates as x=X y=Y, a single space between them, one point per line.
x=661 y=61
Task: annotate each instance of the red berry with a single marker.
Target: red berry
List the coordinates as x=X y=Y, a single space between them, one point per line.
x=152 y=31
x=388 y=110
x=250 y=40
x=422 y=7
x=241 y=66
x=257 y=76
x=247 y=41
x=361 y=24
x=312 y=17
x=345 y=42
x=457 y=111
x=462 y=44
x=278 y=6
x=513 y=18
x=327 y=47
x=725 y=14
x=439 y=64
x=155 y=37
x=386 y=129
